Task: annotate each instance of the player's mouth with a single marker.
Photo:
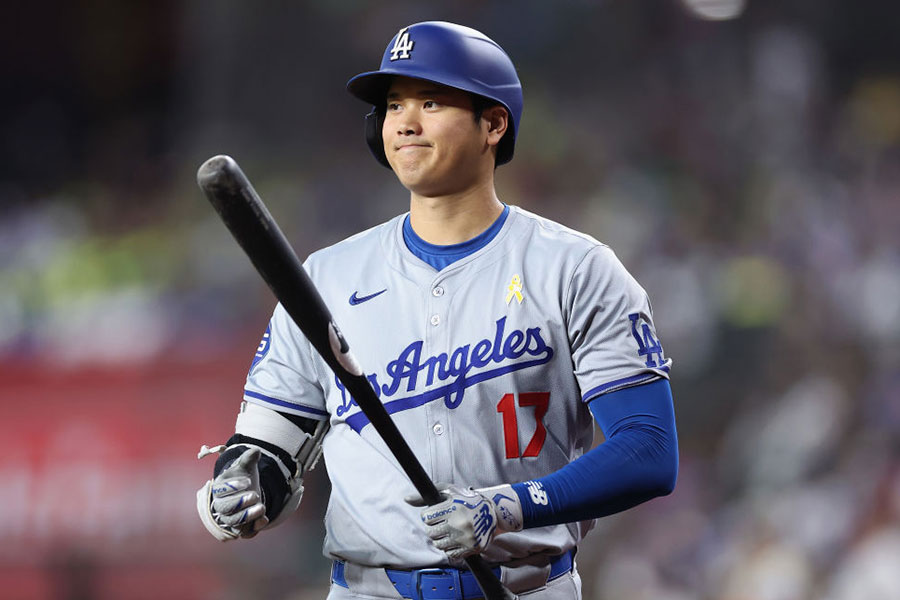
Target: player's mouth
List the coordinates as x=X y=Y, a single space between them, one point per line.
x=411 y=147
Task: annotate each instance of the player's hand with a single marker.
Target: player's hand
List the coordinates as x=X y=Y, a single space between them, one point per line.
x=467 y=520
x=232 y=505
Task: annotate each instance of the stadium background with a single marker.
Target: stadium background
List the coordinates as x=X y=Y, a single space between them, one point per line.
x=747 y=171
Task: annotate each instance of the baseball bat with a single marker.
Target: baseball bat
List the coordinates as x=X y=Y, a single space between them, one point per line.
x=252 y=226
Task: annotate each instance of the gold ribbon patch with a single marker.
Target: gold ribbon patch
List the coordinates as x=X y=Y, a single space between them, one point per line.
x=515 y=290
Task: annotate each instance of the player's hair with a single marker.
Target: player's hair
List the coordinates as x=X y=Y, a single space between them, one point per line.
x=481 y=104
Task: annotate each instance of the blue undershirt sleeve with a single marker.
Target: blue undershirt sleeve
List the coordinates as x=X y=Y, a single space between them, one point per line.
x=637 y=462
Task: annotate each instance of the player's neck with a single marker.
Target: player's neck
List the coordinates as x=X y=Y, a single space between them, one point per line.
x=455 y=218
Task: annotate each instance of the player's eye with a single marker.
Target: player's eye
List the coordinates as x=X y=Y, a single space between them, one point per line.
x=393 y=106
x=430 y=104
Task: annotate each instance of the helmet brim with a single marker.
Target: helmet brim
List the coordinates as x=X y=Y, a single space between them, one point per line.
x=372 y=86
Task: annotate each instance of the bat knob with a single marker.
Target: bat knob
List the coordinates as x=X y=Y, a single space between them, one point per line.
x=216 y=169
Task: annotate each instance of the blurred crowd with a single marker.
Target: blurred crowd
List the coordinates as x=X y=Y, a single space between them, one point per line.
x=747 y=172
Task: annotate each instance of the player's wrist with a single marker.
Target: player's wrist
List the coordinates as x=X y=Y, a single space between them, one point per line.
x=507 y=507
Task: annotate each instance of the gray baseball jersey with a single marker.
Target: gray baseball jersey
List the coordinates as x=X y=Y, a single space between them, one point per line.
x=485 y=366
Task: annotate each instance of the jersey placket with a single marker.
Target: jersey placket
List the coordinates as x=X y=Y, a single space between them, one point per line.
x=437 y=416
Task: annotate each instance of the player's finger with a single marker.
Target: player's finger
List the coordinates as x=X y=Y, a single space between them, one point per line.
x=432 y=515
x=250 y=530
x=460 y=553
x=241 y=517
x=234 y=503
x=438 y=532
x=260 y=523
x=247 y=461
x=244 y=465
x=435 y=518
x=228 y=487
x=446 y=544
x=455 y=550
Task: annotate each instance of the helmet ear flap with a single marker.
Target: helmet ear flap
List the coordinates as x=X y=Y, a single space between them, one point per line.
x=374 y=123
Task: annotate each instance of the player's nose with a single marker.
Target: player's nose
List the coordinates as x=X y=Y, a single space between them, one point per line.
x=408 y=124
x=408 y=129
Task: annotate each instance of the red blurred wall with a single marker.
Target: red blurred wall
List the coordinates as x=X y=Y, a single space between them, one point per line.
x=98 y=469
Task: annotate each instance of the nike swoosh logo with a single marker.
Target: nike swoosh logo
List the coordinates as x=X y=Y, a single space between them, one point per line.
x=354 y=299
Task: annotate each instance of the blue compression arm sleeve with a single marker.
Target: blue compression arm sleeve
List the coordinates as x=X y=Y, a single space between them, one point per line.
x=637 y=462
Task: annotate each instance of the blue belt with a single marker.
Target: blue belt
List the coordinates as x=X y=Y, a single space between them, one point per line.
x=445 y=583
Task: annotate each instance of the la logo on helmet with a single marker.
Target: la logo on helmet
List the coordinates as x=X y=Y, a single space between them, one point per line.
x=402 y=46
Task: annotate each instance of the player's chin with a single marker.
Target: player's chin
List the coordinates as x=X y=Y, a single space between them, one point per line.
x=412 y=174
x=407 y=163
x=428 y=186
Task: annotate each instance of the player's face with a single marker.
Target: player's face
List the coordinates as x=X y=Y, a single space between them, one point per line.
x=432 y=140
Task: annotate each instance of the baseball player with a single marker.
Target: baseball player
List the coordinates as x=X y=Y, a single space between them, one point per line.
x=494 y=337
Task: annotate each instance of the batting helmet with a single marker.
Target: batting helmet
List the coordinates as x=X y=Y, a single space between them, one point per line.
x=449 y=54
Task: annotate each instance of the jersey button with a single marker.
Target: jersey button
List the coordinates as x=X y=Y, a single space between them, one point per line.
x=438 y=429
x=435 y=320
x=437 y=292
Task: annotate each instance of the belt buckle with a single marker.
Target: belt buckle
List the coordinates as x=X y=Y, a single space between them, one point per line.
x=457 y=584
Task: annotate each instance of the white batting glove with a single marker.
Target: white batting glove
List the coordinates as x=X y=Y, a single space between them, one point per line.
x=467 y=520
x=232 y=504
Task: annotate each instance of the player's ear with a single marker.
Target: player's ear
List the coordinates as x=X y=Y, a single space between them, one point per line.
x=498 y=122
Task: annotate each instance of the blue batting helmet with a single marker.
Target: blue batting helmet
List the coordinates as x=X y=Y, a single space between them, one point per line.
x=449 y=54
